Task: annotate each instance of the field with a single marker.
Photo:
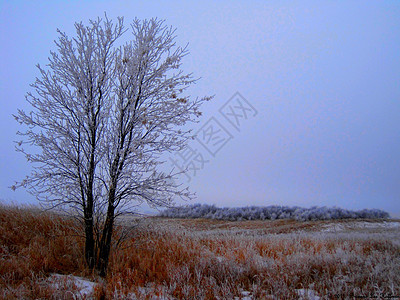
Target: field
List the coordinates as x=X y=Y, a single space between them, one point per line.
x=156 y=258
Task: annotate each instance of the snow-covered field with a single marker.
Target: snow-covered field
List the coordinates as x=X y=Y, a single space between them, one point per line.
x=361 y=225
x=239 y=246
x=40 y=257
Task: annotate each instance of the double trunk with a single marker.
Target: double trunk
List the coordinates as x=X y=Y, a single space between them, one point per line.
x=97 y=252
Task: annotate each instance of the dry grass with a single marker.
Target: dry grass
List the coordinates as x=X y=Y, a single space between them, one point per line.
x=201 y=259
x=32 y=246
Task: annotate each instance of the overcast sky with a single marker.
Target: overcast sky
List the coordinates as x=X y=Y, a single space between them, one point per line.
x=317 y=117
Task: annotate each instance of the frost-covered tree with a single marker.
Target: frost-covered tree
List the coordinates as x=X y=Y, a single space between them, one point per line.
x=102 y=114
x=270 y=213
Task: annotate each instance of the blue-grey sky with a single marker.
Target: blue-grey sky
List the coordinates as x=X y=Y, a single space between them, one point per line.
x=323 y=78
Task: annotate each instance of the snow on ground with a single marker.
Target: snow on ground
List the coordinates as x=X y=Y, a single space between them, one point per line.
x=81 y=287
x=246 y=295
x=84 y=288
x=360 y=225
x=302 y=293
x=307 y=294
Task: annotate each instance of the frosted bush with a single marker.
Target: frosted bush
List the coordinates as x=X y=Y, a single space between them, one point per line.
x=270 y=213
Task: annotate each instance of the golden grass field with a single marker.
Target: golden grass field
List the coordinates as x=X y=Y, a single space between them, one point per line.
x=201 y=259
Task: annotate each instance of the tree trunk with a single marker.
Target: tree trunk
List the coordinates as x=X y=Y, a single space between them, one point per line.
x=105 y=243
x=90 y=255
x=89 y=244
x=90 y=251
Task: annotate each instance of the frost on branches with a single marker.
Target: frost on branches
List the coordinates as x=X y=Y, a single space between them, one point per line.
x=272 y=212
x=102 y=116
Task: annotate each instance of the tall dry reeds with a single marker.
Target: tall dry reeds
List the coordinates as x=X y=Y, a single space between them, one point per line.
x=32 y=246
x=199 y=259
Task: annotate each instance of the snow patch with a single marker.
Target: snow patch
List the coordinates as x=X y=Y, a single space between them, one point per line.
x=307 y=294
x=246 y=295
x=81 y=287
x=361 y=225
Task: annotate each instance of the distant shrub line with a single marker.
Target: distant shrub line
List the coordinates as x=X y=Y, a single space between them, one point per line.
x=270 y=213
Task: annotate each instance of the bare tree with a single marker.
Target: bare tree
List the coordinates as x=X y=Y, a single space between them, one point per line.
x=102 y=116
